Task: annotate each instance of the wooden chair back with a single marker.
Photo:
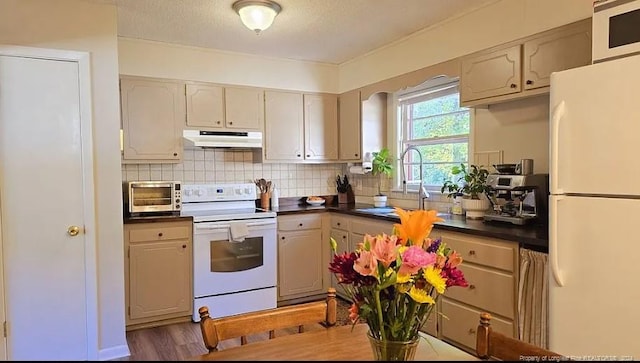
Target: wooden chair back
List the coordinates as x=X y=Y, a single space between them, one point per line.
x=242 y=325
x=493 y=345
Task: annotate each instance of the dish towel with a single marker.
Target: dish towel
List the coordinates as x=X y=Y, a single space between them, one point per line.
x=238 y=231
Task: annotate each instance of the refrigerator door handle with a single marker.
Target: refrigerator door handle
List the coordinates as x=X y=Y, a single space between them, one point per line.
x=553 y=240
x=557 y=115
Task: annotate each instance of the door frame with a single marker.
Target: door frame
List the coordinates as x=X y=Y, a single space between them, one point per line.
x=83 y=59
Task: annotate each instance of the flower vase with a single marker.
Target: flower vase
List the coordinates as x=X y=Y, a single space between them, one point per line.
x=389 y=350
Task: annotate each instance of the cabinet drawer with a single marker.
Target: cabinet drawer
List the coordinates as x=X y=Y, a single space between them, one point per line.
x=340 y=222
x=489 y=290
x=481 y=250
x=370 y=226
x=299 y=222
x=460 y=323
x=160 y=232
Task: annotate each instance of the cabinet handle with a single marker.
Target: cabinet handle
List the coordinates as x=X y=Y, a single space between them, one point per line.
x=160 y=234
x=175 y=154
x=471 y=331
x=338 y=223
x=356 y=155
x=184 y=246
x=282 y=237
x=298 y=155
x=308 y=155
x=300 y=224
x=472 y=287
x=472 y=252
x=345 y=237
x=218 y=122
x=529 y=81
x=230 y=122
x=513 y=85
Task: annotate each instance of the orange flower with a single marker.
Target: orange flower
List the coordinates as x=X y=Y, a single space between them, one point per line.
x=415 y=225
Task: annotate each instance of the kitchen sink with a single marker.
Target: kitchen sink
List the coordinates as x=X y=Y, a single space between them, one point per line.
x=386 y=211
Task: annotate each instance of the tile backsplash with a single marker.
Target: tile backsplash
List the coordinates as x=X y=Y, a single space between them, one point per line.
x=233 y=166
x=292 y=180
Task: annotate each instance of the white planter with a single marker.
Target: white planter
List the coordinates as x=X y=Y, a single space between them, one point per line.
x=379 y=200
x=475 y=208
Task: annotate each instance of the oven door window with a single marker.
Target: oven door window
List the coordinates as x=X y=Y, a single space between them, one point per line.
x=230 y=256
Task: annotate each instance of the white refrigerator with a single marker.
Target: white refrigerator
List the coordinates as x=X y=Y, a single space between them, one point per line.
x=594 y=211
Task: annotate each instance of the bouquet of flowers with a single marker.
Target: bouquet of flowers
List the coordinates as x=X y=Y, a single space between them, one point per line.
x=394 y=281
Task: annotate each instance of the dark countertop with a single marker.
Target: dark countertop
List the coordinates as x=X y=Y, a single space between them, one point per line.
x=156 y=218
x=534 y=237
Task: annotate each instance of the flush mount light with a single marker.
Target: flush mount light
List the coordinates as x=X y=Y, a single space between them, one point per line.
x=257 y=15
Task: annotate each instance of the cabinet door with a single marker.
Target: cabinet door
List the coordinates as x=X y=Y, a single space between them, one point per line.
x=283 y=126
x=557 y=51
x=160 y=279
x=153 y=113
x=342 y=239
x=205 y=105
x=300 y=267
x=490 y=74
x=244 y=108
x=321 y=127
x=349 y=135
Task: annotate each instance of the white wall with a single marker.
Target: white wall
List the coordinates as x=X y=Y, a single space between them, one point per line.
x=88 y=26
x=499 y=22
x=164 y=60
x=519 y=128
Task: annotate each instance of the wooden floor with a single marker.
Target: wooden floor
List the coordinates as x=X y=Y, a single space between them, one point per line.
x=181 y=341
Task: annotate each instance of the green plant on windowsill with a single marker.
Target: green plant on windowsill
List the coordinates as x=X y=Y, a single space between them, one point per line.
x=471 y=182
x=381 y=166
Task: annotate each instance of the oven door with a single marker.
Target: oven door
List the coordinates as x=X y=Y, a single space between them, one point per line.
x=224 y=266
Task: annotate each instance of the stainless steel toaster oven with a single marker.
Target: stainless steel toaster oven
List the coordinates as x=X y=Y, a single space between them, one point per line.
x=152 y=196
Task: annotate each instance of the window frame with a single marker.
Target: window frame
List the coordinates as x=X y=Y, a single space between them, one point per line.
x=440 y=86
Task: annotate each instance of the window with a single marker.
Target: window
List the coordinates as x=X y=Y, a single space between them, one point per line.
x=431 y=119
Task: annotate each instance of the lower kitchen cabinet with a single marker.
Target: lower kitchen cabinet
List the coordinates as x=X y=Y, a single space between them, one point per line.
x=158 y=273
x=301 y=247
x=490 y=267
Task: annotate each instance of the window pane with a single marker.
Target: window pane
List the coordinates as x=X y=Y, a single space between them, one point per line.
x=436 y=106
x=439 y=126
x=451 y=152
x=434 y=174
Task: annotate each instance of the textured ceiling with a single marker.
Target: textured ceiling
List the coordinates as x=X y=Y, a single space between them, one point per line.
x=329 y=31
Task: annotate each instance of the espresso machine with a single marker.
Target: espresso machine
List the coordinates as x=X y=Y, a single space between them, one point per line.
x=518 y=199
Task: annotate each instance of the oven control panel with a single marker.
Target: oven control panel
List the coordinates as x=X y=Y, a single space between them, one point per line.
x=218 y=192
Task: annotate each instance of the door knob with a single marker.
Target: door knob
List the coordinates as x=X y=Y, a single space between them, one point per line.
x=73 y=231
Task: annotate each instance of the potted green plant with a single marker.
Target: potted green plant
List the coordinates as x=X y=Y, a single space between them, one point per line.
x=381 y=166
x=472 y=184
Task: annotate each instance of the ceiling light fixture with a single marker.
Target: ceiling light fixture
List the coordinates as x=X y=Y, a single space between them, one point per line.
x=257 y=15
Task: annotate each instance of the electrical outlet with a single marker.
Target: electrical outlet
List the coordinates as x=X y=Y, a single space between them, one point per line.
x=359 y=184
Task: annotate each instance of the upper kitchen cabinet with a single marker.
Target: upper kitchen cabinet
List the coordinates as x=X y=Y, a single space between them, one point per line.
x=320 y=126
x=523 y=68
x=349 y=136
x=152 y=118
x=300 y=127
x=217 y=107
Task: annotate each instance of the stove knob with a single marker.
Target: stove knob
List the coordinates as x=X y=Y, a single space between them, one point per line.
x=238 y=191
x=187 y=192
x=247 y=191
x=199 y=192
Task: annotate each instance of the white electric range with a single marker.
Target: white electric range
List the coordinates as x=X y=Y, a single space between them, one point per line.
x=234 y=249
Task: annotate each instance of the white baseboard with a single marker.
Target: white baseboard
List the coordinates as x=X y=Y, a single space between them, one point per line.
x=116 y=352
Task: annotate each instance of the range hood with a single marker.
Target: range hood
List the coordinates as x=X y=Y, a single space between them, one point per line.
x=223 y=139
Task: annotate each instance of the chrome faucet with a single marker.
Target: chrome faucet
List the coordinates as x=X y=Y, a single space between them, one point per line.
x=422 y=191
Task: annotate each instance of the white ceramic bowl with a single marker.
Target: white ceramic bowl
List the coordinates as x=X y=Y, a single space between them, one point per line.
x=315 y=202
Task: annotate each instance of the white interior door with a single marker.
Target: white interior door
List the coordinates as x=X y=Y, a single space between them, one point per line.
x=47 y=227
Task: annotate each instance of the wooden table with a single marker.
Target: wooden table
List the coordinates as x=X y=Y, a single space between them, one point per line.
x=337 y=343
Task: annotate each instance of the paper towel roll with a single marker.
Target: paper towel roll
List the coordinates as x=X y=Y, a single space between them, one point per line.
x=358 y=170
